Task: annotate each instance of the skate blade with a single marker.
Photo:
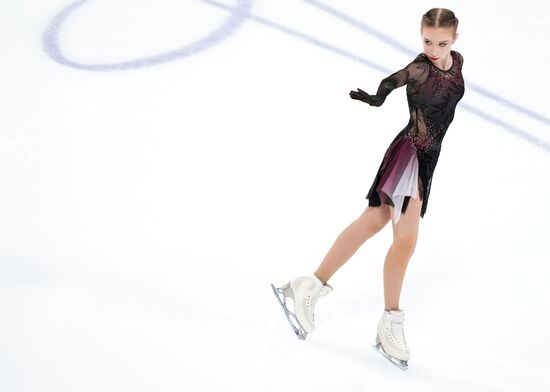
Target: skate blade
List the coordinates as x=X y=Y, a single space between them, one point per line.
x=403 y=365
x=297 y=328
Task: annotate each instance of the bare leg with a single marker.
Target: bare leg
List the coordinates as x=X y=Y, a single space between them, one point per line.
x=371 y=221
x=405 y=234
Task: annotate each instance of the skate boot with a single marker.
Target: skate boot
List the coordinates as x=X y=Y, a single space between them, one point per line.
x=390 y=338
x=304 y=291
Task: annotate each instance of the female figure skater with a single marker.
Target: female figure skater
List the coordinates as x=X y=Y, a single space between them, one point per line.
x=402 y=184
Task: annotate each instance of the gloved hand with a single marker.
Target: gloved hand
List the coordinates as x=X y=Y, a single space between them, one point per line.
x=373 y=100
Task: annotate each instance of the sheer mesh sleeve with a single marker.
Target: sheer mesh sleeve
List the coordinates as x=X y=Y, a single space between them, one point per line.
x=460 y=59
x=414 y=73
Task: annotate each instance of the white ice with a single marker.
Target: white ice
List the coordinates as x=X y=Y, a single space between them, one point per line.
x=161 y=166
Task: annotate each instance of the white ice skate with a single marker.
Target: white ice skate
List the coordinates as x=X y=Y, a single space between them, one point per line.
x=304 y=291
x=390 y=338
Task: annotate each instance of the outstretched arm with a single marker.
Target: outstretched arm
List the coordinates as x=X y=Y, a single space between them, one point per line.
x=415 y=72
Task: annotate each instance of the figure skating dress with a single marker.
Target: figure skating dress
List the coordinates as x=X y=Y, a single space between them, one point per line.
x=409 y=162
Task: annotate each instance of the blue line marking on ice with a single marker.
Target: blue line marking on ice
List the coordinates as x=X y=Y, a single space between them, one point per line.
x=50 y=41
x=240 y=13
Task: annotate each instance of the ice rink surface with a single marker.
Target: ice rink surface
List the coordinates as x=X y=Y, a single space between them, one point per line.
x=162 y=162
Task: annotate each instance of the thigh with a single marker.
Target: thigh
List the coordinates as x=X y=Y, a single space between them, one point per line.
x=408 y=221
x=375 y=216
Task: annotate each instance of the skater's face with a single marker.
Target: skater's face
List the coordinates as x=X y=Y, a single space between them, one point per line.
x=437 y=44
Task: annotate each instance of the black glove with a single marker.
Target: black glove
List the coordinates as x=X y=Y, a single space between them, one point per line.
x=373 y=100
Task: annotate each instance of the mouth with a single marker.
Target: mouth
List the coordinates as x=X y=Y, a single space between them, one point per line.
x=434 y=58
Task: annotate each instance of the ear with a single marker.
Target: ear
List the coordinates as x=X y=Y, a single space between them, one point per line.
x=455 y=37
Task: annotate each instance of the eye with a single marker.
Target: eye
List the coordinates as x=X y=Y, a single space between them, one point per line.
x=427 y=42
x=442 y=44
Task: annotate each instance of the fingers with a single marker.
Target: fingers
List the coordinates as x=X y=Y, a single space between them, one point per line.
x=373 y=100
x=359 y=93
x=358 y=97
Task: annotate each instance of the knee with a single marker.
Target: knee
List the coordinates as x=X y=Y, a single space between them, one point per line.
x=375 y=219
x=381 y=222
x=405 y=243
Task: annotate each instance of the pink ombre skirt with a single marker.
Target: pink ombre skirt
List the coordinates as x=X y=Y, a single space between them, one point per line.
x=397 y=177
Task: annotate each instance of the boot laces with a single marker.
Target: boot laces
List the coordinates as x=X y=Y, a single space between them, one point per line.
x=312 y=300
x=397 y=335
